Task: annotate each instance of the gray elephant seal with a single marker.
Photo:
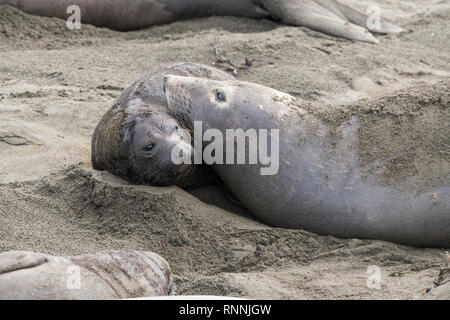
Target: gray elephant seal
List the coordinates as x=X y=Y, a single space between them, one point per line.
x=109 y=275
x=332 y=179
x=134 y=139
x=327 y=16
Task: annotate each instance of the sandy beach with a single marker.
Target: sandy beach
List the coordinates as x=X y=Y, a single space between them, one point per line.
x=56 y=84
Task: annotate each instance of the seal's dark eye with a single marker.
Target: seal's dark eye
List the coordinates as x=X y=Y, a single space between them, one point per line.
x=220 y=96
x=148 y=148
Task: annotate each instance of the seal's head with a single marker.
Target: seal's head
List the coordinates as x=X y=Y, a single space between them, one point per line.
x=216 y=99
x=140 y=146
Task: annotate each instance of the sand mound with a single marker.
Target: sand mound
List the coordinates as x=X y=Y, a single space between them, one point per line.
x=211 y=250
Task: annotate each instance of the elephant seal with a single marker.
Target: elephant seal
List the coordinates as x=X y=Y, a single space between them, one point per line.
x=109 y=275
x=331 y=178
x=134 y=139
x=327 y=16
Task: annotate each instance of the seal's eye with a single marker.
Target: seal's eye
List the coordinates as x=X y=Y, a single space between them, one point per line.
x=148 y=148
x=220 y=96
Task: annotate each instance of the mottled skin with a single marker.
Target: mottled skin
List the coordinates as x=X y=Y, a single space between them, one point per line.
x=138 y=118
x=110 y=275
x=328 y=16
x=320 y=185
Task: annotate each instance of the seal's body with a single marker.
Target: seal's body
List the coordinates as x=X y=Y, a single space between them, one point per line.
x=328 y=16
x=321 y=185
x=109 y=275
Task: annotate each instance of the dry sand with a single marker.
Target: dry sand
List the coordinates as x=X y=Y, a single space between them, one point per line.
x=55 y=84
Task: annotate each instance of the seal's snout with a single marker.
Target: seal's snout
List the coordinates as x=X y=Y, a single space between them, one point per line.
x=178 y=92
x=174 y=83
x=172 y=87
x=170 y=90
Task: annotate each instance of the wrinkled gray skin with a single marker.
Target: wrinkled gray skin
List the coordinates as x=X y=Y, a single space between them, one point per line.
x=327 y=16
x=26 y=275
x=320 y=185
x=143 y=120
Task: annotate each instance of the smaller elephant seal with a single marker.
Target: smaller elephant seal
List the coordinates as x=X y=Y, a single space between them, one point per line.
x=135 y=137
x=26 y=275
x=355 y=173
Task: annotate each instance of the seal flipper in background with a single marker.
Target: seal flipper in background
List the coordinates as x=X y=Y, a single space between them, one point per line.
x=328 y=16
x=17 y=260
x=360 y=18
x=318 y=17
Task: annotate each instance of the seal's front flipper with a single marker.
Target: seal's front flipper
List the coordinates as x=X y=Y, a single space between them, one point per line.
x=321 y=15
x=16 y=260
x=372 y=22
